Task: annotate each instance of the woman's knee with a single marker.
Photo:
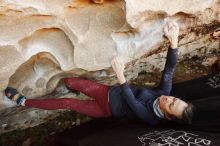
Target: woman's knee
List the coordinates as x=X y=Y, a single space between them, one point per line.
x=69 y=82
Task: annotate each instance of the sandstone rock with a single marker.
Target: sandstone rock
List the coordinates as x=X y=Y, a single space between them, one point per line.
x=9 y=61
x=45 y=40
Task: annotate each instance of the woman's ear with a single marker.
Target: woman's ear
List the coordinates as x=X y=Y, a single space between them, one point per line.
x=168 y=116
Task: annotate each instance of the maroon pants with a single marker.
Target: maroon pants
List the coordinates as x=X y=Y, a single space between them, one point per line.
x=99 y=107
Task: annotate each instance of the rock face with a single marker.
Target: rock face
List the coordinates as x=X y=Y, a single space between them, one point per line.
x=45 y=40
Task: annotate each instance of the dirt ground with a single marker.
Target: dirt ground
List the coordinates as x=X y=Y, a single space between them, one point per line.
x=36 y=136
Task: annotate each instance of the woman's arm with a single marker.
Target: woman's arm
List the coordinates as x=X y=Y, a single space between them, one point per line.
x=118 y=67
x=171 y=31
x=139 y=109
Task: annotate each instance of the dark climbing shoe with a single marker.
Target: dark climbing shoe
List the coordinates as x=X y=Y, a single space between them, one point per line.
x=13 y=94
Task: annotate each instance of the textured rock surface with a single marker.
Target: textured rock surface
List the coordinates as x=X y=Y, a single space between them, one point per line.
x=45 y=40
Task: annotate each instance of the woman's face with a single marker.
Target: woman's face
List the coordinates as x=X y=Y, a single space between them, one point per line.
x=172 y=106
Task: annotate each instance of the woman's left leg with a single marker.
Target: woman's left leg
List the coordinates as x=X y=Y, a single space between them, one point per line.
x=87 y=107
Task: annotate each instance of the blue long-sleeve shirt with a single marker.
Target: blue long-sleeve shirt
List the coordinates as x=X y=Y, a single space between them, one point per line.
x=137 y=102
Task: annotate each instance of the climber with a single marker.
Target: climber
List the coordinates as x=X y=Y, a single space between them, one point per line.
x=151 y=105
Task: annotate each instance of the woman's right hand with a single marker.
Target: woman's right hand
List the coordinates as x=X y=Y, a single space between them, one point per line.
x=118 y=67
x=171 y=31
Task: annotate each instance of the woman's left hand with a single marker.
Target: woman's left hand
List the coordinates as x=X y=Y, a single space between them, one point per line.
x=118 y=67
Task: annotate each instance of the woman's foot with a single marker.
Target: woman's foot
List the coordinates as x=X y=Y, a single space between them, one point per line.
x=13 y=94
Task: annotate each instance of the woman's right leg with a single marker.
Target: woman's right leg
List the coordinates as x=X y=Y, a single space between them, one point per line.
x=87 y=107
x=97 y=91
